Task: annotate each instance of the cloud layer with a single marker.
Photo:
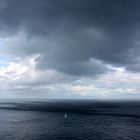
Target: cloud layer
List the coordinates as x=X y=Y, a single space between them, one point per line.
x=73 y=39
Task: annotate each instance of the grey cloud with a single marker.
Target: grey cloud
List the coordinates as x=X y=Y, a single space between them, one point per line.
x=86 y=68
x=67 y=33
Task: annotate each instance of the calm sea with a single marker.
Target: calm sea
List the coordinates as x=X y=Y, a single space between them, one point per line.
x=86 y=120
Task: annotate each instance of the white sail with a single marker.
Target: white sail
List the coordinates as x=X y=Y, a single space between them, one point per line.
x=65 y=116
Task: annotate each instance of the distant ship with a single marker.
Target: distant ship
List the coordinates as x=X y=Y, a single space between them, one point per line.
x=65 y=116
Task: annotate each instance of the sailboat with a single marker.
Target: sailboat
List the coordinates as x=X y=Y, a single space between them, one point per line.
x=65 y=116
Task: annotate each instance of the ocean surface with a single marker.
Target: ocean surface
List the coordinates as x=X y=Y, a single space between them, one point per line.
x=86 y=120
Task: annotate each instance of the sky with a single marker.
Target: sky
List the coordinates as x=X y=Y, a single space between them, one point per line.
x=70 y=49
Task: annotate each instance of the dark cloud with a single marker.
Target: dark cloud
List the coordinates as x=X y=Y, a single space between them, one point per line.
x=69 y=33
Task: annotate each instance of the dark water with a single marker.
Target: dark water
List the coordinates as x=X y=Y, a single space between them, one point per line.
x=86 y=120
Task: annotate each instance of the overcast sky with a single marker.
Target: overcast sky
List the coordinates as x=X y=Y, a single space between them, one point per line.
x=70 y=49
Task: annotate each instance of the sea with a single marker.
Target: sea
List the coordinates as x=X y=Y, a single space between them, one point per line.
x=70 y=120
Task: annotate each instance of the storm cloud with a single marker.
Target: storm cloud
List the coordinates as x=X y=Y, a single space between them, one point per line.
x=75 y=37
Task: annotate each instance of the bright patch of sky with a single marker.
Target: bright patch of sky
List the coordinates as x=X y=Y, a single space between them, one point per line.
x=21 y=79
